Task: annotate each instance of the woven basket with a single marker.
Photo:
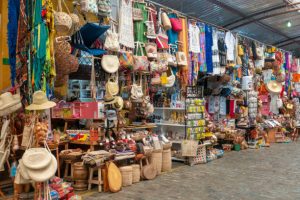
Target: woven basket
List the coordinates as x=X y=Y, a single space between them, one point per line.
x=200 y=157
x=136 y=173
x=166 y=160
x=62 y=21
x=156 y=160
x=126 y=175
x=167 y=146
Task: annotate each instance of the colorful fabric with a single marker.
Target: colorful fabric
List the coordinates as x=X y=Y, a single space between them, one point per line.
x=140 y=26
x=208 y=48
x=12 y=32
x=202 y=57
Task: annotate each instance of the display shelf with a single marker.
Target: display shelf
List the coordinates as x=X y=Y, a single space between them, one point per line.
x=148 y=126
x=169 y=124
x=168 y=108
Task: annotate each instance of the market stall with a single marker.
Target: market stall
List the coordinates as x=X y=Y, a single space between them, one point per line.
x=109 y=97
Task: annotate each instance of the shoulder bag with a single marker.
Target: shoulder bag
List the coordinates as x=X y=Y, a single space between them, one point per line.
x=141 y=63
x=112 y=40
x=112 y=85
x=136 y=90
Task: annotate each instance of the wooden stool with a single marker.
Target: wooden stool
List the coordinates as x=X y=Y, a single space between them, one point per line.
x=95 y=180
x=69 y=164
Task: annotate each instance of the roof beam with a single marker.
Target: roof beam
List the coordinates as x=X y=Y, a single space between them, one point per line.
x=235 y=11
x=261 y=12
x=287 y=40
x=252 y=20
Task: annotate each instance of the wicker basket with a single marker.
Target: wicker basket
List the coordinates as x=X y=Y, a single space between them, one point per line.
x=126 y=172
x=136 y=173
x=166 y=160
x=156 y=160
x=167 y=146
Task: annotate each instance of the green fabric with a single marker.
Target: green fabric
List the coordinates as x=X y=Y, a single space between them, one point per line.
x=140 y=27
x=40 y=37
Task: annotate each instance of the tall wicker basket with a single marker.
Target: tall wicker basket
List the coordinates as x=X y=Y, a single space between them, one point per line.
x=156 y=160
x=126 y=172
x=166 y=160
x=136 y=173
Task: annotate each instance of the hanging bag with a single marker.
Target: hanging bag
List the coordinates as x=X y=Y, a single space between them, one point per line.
x=151 y=50
x=126 y=60
x=112 y=85
x=176 y=24
x=136 y=90
x=150 y=34
x=161 y=38
x=170 y=78
x=141 y=63
x=89 y=6
x=166 y=21
x=62 y=21
x=112 y=40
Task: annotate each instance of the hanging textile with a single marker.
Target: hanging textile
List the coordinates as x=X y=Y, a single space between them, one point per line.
x=40 y=41
x=126 y=35
x=12 y=32
x=183 y=39
x=202 y=58
x=140 y=26
x=215 y=53
x=173 y=35
x=208 y=48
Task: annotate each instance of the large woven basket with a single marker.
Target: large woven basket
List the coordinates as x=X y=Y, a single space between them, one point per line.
x=156 y=160
x=136 y=173
x=166 y=160
x=126 y=172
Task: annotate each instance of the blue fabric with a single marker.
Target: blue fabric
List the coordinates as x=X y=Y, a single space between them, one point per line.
x=12 y=33
x=208 y=48
x=173 y=35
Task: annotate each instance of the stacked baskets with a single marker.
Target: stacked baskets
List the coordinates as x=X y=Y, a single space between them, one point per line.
x=136 y=173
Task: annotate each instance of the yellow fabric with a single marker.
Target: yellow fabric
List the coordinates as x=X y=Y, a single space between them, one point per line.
x=50 y=21
x=183 y=39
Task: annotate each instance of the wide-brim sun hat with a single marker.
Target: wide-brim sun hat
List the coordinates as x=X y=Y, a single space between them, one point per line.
x=118 y=103
x=274 y=87
x=9 y=103
x=44 y=174
x=109 y=99
x=23 y=170
x=40 y=102
x=36 y=158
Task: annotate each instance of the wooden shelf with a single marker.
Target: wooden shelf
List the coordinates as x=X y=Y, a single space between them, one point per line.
x=146 y=126
x=168 y=108
x=170 y=124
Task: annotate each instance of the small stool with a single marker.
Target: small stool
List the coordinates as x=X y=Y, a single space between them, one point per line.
x=95 y=180
x=69 y=164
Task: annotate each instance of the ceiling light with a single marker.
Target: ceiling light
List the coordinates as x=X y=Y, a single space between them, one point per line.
x=289 y=24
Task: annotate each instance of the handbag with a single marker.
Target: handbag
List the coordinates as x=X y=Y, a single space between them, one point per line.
x=126 y=60
x=150 y=34
x=170 y=79
x=112 y=85
x=154 y=67
x=141 y=63
x=110 y=63
x=176 y=24
x=181 y=58
x=162 y=41
x=136 y=90
x=137 y=14
x=240 y=50
x=62 y=21
x=189 y=148
x=166 y=23
x=89 y=6
x=151 y=50
x=112 y=40
x=162 y=60
x=156 y=80
x=104 y=7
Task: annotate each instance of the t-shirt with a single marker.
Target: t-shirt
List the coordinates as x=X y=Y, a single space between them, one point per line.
x=230 y=42
x=194 y=36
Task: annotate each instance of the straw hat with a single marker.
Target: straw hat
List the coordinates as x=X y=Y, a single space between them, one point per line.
x=40 y=101
x=44 y=174
x=36 y=158
x=23 y=170
x=119 y=103
x=109 y=99
x=274 y=87
x=9 y=103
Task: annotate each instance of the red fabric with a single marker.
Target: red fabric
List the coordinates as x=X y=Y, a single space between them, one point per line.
x=231 y=108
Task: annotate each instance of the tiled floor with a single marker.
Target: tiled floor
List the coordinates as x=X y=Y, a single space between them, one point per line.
x=268 y=173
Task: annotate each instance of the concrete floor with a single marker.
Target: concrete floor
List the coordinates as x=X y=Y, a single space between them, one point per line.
x=267 y=173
